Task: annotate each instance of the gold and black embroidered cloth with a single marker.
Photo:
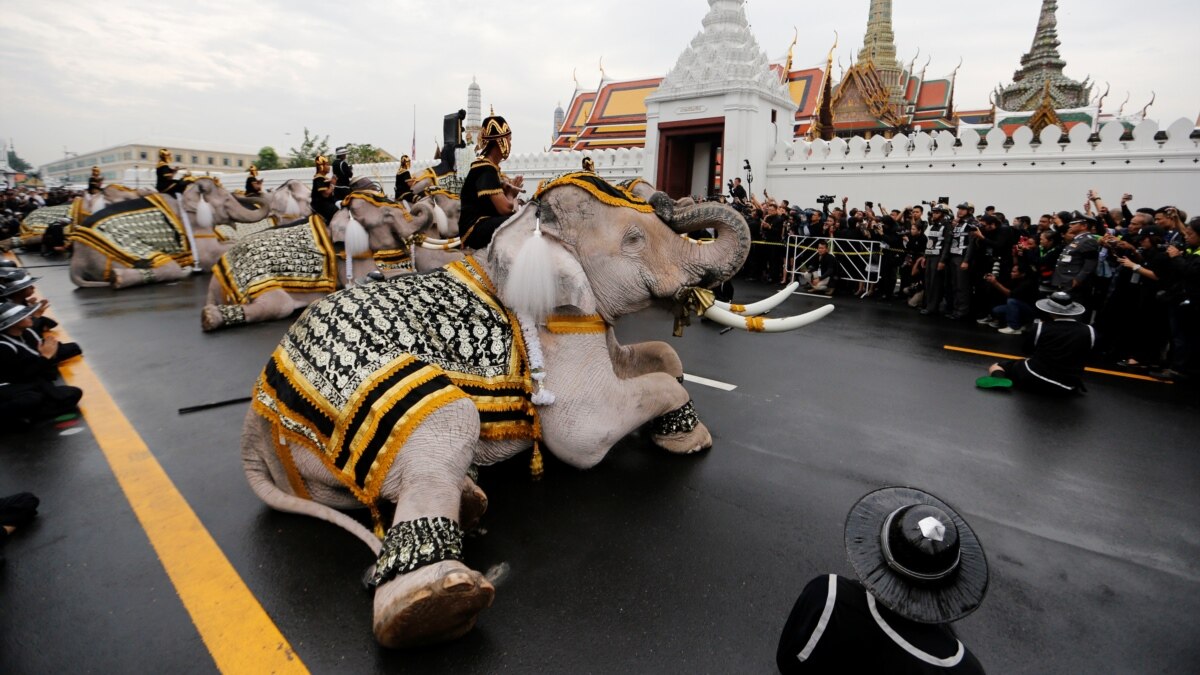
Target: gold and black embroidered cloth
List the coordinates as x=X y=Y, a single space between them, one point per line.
x=231 y=232
x=36 y=222
x=298 y=259
x=360 y=369
x=140 y=233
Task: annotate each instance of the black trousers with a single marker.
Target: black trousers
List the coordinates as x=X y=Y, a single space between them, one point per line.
x=35 y=401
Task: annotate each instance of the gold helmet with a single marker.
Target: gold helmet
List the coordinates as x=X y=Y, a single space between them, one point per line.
x=254 y=172
x=405 y=163
x=95 y=172
x=589 y=165
x=495 y=129
x=164 y=155
x=322 y=164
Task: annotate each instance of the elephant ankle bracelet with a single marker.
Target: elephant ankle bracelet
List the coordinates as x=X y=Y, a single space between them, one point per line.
x=681 y=420
x=411 y=544
x=232 y=315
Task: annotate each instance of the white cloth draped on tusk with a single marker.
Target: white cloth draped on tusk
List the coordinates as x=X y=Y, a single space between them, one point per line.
x=757 y=324
x=761 y=306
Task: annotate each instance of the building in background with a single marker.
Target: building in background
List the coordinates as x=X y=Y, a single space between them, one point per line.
x=141 y=155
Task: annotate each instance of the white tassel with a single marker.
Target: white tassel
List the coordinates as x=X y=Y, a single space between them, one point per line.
x=357 y=242
x=98 y=203
x=204 y=214
x=443 y=222
x=537 y=368
x=532 y=286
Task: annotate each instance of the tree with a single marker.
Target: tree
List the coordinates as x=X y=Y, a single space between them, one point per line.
x=306 y=154
x=364 y=153
x=17 y=163
x=267 y=159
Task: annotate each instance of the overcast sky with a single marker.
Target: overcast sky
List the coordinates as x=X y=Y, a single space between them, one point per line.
x=86 y=75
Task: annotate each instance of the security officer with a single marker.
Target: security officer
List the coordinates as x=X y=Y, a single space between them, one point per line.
x=1079 y=258
x=488 y=198
x=937 y=250
x=254 y=184
x=165 y=173
x=404 y=180
x=323 y=201
x=343 y=172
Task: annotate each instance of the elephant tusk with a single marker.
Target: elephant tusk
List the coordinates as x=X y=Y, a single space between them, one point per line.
x=757 y=324
x=761 y=306
x=441 y=244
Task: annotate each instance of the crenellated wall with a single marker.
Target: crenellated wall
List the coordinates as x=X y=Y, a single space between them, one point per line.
x=1020 y=178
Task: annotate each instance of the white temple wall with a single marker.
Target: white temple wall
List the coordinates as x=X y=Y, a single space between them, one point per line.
x=1023 y=179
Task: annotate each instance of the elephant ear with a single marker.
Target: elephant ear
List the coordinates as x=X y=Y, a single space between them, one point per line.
x=539 y=273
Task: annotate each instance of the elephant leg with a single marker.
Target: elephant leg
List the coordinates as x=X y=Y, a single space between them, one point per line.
x=680 y=431
x=272 y=305
x=124 y=277
x=428 y=602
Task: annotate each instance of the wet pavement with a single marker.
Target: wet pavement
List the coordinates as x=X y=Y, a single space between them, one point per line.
x=1089 y=509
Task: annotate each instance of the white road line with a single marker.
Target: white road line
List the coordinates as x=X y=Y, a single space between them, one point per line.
x=709 y=383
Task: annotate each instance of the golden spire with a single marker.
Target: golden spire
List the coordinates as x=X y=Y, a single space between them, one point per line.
x=822 y=124
x=1045 y=115
x=787 y=65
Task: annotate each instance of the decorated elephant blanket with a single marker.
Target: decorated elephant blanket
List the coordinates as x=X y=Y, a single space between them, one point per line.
x=360 y=369
x=139 y=233
x=298 y=259
x=36 y=222
x=231 y=232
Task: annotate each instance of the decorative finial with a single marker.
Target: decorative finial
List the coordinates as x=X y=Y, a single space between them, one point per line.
x=1100 y=102
x=1121 y=110
x=492 y=109
x=1152 y=97
x=603 y=75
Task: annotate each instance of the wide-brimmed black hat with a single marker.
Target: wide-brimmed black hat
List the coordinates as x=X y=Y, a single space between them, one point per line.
x=13 y=280
x=11 y=313
x=1060 y=304
x=916 y=555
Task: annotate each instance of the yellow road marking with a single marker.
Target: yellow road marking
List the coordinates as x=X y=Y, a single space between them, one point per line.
x=235 y=628
x=1090 y=370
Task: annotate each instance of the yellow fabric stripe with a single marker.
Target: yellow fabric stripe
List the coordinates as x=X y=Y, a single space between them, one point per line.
x=1131 y=376
x=236 y=630
x=563 y=324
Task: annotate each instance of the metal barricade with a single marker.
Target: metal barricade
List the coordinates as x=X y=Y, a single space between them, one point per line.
x=857 y=259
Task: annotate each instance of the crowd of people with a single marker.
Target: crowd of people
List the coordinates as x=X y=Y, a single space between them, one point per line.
x=1135 y=272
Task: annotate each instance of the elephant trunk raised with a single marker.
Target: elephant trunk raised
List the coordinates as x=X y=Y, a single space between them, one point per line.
x=709 y=263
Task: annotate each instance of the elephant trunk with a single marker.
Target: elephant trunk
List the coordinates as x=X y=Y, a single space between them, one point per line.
x=242 y=214
x=711 y=263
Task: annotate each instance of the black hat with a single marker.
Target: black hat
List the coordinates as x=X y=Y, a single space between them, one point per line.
x=494 y=128
x=940 y=208
x=13 y=280
x=11 y=313
x=1078 y=217
x=1060 y=304
x=916 y=555
x=967 y=205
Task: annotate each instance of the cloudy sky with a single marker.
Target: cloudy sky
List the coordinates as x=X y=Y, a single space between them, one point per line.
x=80 y=76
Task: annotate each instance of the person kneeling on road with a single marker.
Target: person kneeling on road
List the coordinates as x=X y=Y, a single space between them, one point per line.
x=1060 y=349
x=818 y=274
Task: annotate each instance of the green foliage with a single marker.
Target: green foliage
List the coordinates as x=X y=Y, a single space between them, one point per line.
x=306 y=154
x=267 y=159
x=17 y=163
x=364 y=153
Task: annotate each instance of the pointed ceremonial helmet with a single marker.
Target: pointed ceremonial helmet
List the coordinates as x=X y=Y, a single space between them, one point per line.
x=495 y=128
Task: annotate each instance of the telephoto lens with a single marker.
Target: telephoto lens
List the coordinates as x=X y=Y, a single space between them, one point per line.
x=995 y=268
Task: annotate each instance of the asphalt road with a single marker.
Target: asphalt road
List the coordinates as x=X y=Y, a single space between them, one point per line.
x=1089 y=509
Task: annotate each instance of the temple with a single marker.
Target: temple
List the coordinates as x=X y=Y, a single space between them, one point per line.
x=876 y=95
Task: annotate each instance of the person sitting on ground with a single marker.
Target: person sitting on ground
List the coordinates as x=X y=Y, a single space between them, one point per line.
x=17 y=286
x=1060 y=349
x=28 y=392
x=820 y=271
x=16 y=511
x=1020 y=291
x=919 y=567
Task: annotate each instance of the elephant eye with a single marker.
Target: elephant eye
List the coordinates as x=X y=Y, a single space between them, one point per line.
x=634 y=238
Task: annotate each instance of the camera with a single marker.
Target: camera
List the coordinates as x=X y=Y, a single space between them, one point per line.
x=826 y=199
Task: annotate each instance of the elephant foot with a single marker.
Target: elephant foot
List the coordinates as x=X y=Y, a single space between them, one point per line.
x=431 y=604
x=685 y=442
x=681 y=431
x=210 y=318
x=474 y=504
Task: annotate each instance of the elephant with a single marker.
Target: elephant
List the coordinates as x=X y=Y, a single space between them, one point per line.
x=391 y=391
x=155 y=239
x=272 y=274
x=426 y=231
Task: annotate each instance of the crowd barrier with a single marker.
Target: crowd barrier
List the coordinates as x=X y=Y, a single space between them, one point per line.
x=857 y=259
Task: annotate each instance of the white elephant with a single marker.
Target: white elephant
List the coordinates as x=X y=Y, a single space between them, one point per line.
x=390 y=391
x=157 y=238
x=271 y=274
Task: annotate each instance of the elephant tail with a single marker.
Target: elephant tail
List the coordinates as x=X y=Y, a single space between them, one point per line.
x=256 y=440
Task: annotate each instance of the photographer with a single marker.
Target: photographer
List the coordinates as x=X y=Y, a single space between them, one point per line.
x=1135 y=315
x=958 y=265
x=1019 y=290
x=1183 y=303
x=937 y=252
x=820 y=272
x=912 y=277
x=737 y=193
x=993 y=256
